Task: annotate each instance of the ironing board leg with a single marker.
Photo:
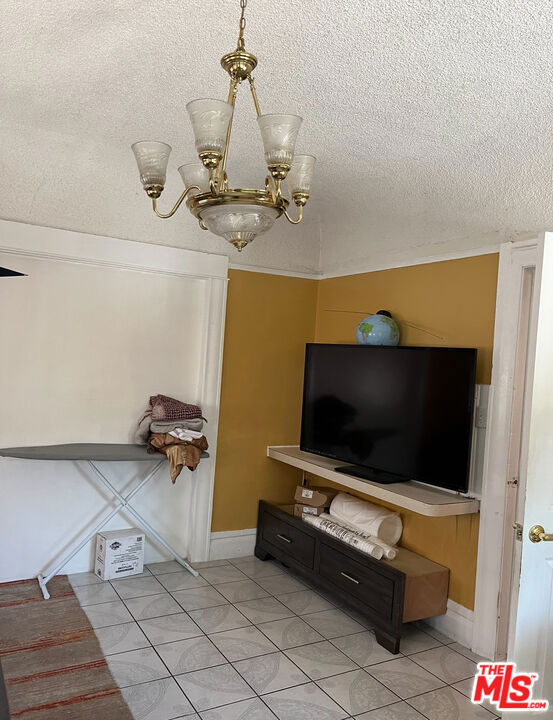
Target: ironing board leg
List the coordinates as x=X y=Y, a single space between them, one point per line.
x=43 y=587
x=44 y=579
x=147 y=527
x=125 y=502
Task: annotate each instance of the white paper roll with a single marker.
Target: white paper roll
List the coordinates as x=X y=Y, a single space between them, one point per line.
x=370 y=519
x=325 y=523
x=390 y=551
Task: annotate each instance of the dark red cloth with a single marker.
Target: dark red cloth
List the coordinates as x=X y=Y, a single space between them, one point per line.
x=167 y=408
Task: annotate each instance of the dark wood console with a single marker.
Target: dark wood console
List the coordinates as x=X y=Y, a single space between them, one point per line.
x=388 y=592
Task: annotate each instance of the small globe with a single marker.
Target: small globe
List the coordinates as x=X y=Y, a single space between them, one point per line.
x=379 y=329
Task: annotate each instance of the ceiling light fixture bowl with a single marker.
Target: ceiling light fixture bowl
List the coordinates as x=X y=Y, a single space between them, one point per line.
x=237 y=215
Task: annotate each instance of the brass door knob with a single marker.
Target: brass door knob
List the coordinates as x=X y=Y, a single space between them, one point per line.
x=537 y=534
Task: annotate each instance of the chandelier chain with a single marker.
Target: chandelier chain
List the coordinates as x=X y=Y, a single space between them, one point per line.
x=243 y=4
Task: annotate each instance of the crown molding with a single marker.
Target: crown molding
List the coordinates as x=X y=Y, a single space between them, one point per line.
x=376 y=267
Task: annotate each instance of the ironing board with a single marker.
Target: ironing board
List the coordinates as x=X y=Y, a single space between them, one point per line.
x=93 y=453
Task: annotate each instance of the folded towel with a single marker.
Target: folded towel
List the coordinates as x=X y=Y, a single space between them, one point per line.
x=166 y=426
x=143 y=429
x=146 y=426
x=372 y=519
x=325 y=523
x=183 y=434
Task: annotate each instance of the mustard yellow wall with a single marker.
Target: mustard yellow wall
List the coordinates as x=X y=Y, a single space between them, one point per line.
x=269 y=320
x=455 y=301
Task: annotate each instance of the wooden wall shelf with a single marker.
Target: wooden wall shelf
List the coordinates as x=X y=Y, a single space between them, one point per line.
x=414 y=496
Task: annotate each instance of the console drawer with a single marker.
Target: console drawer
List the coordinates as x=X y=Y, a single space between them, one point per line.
x=289 y=539
x=369 y=586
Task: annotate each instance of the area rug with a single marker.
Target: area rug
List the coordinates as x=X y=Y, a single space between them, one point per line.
x=52 y=663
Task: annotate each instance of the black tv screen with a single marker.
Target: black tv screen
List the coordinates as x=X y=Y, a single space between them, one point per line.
x=403 y=411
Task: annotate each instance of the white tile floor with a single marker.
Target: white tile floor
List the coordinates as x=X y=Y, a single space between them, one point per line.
x=246 y=640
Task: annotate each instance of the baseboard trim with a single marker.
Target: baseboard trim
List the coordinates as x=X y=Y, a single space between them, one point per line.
x=456 y=623
x=232 y=543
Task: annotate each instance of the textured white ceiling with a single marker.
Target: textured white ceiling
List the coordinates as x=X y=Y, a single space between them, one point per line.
x=439 y=112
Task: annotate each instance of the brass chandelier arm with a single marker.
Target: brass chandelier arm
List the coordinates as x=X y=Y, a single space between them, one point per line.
x=177 y=204
x=232 y=101
x=300 y=216
x=272 y=186
x=213 y=186
x=254 y=95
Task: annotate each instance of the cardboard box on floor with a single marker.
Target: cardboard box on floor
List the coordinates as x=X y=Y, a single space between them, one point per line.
x=319 y=497
x=119 y=553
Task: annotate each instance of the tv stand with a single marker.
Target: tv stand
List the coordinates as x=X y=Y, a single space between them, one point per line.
x=370 y=474
x=388 y=593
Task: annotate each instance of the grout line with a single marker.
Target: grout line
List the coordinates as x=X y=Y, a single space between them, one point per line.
x=268 y=708
x=492 y=716
x=124 y=651
x=252 y=657
x=407 y=657
x=420 y=652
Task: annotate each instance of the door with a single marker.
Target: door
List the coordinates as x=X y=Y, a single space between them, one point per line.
x=533 y=640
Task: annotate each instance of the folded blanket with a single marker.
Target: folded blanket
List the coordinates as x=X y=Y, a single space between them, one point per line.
x=371 y=519
x=146 y=426
x=143 y=429
x=325 y=523
x=167 y=408
x=166 y=426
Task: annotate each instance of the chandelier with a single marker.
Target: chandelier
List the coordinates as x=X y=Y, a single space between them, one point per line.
x=238 y=215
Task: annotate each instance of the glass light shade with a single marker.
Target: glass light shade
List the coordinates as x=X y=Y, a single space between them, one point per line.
x=301 y=173
x=239 y=224
x=152 y=158
x=210 y=119
x=195 y=174
x=279 y=133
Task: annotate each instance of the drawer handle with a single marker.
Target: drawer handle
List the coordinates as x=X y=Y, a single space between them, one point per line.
x=283 y=537
x=351 y=579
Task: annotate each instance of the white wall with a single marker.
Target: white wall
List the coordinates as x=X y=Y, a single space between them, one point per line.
x=85 y=345
x=48 y=506
x=95 y=328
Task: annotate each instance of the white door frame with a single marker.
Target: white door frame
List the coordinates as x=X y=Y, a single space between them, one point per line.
x=514 y=259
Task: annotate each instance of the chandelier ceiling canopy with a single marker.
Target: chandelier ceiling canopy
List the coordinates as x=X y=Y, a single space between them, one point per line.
x=238 y=215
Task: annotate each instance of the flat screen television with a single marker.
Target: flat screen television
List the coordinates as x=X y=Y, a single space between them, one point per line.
x=394 y=413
